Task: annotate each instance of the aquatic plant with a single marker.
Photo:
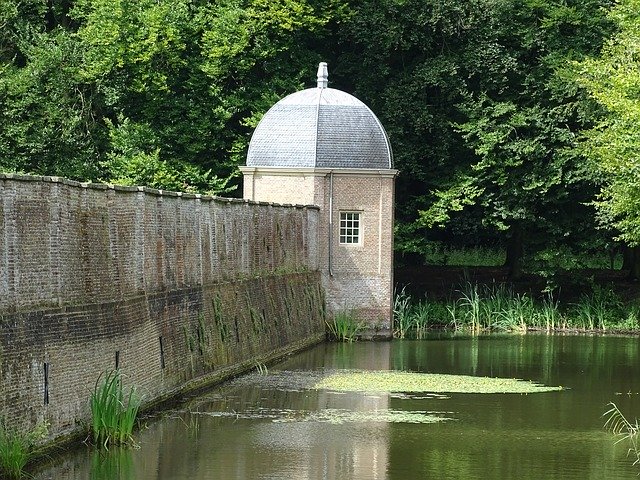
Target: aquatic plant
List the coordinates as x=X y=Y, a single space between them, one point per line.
x=631 y=320
x=599 y=309
x=336 y=416
x=397 y=381
x=14 y=453
x=495 y=307
x=618 y=424
x=401 y=314
x=426 y=313
x=415 y=318
x=17 y=448
x=470 y=306
x=113 y=414
x=516 y=314
x=548 y=315
x=344 y=327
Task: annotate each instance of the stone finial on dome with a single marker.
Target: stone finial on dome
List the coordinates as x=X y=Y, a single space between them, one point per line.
x=323 y=75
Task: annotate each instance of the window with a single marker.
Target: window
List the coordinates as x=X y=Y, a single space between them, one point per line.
x=350 y=231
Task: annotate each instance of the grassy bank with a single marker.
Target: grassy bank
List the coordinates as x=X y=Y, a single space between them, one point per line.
x=495 y=307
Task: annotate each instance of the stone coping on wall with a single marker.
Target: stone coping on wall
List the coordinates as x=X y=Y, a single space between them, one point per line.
x=148 y=190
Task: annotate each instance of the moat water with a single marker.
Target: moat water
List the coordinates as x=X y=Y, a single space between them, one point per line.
x=271 y=425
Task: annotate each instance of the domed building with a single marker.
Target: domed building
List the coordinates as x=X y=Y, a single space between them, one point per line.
x=324 y=147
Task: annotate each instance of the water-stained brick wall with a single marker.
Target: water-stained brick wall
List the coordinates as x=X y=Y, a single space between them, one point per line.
x=174 y=289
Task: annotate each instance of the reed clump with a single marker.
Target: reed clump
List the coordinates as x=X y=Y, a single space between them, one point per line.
x=344 y=327
x=113 y=413
x=495 y=307
x=415 y=319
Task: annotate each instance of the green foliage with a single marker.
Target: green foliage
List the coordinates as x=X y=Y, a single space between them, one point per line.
x=144 y=61
x=613 y=144
x=47 y=121
x=163 y=93
x=344 y=327
x=113 y=414
x=520 y=125
x=17 y=448
x=135 y=161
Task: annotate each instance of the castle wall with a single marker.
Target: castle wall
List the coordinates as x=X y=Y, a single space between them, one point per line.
x=177 y=290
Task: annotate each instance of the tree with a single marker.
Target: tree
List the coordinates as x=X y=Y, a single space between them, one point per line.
x=46 y=112
x=161 y=92
x=613 y=145
x=522 y=124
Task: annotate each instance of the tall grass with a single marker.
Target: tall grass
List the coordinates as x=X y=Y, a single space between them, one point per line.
x=415 y=319
x=15 y=452
x=113 y=414
x=598 y=310
x=549 y=317
x=17 y=449
x=495 y=307
x=491 y=307
x=343 y=327
x=402 y=314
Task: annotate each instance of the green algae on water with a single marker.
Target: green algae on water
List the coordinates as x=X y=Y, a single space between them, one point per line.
x=336 y=416
x=394 y=381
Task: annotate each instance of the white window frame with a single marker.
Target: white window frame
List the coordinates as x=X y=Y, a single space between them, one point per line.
x=350 y=227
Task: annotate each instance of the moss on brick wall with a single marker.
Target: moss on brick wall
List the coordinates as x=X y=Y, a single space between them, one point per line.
x=175 y=290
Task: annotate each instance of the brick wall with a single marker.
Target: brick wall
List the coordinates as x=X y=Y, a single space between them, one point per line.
x=176 y=289
x=356 y=278
x=362 y=280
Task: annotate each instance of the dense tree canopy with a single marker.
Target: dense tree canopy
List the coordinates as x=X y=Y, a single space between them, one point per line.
x=613 y=145
x=162 y=93
x=482 y=109
x=482 y=118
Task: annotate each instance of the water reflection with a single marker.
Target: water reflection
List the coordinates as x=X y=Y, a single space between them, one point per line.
x=114 y=463
x=276 y=427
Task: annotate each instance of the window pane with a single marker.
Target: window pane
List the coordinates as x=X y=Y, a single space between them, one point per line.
x=349 y=227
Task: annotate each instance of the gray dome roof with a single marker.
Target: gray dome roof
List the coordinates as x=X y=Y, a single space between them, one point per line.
x=320 y=127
